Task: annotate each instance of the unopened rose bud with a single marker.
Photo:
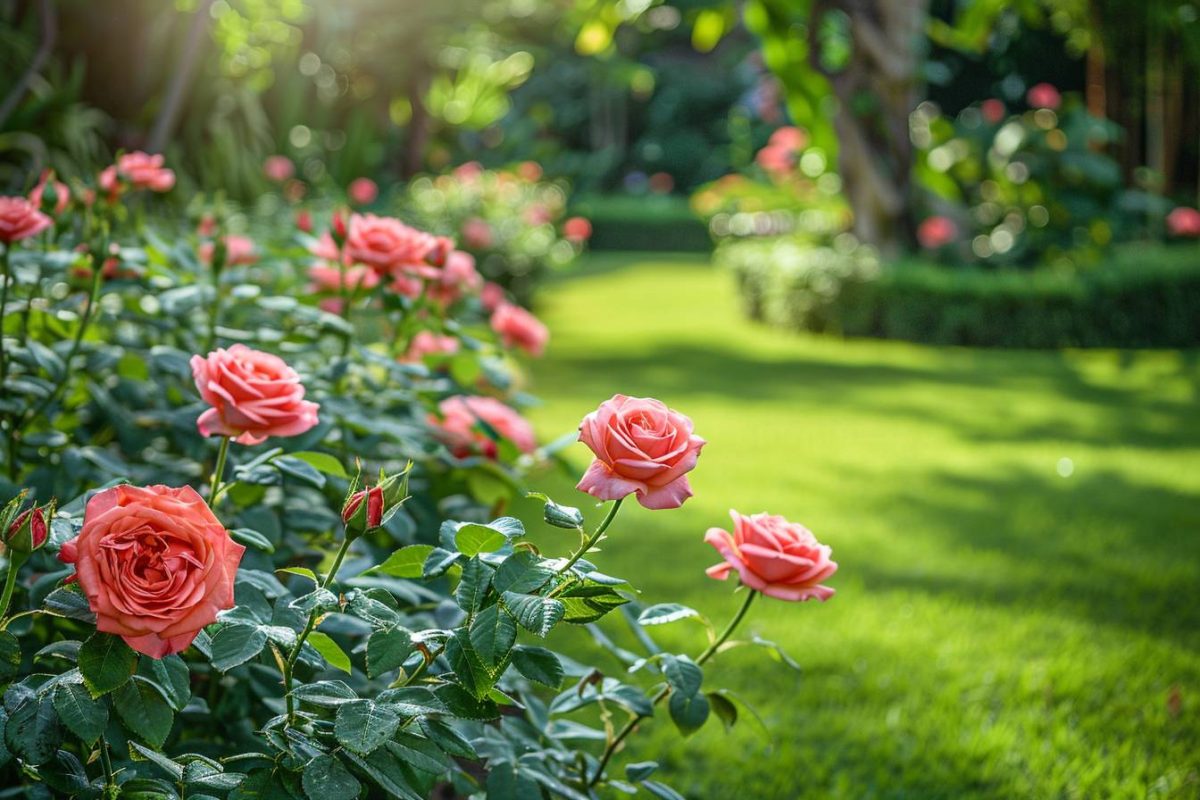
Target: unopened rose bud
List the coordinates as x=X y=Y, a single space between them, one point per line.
x=338 y=228
x=364 y=510
x=28 y=531
x=441 y=251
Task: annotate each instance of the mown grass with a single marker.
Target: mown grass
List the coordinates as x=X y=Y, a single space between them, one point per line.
x=999 y=630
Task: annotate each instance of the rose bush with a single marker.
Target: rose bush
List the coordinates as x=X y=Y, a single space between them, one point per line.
x=226 y=606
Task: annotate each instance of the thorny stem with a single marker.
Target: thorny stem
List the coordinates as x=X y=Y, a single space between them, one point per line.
x=591 y=540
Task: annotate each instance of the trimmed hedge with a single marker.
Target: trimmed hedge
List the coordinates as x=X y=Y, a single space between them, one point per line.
x=1143 y=296
x=654 y=223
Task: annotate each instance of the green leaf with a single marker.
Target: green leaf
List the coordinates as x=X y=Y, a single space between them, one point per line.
x=682 y=673
x=106 y=662
x=330 y=651
x=522 y=572
x=69 y=602
x=473 y=587
x=10 y=656
x=535 y=614
x=84 y=716
x=363 y=725
x=32 y=730
x=300 y=469
x=236 y=644
x=688 y=712
x=325 y=778
x=724 y=708
x=387 y=650
x=303 y=572
x=662 y=791
x=322 y=462
x=252 y=538
x=558 y=515
x=641 y=770
x=538 y=664
x=663 y=613
x=468 y=668
x=407 y=562
x=164 y=763
x=438 y=562
x=171 y=676
x=472 y=539
x=419 y=753
x=389 y=772
x=144 y=711
x=445 y=736
x=492 y=633
x=587 y=602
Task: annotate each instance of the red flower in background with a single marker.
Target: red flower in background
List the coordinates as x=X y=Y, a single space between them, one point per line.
x=936 y=232
x=993 y=110
x=1184 y=222
x=1043 y=95
x=363 y=191
x=20 y=219
x=278 y=168
x=577 y=229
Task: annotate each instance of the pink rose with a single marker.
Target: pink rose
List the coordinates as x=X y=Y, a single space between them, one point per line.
x=776 y=160
x=1043 y=95
x=538 y=214
x=62 y=195
x=239 y=251
x=155 y=564
x=329 y=278
x=304 y=220
x=518 y=328
x=459 y=426
x=207 y=226
x=577 y=229
x=993 y=110
x=278 y=168
x=20 y=219
x=789 y=137
x=477 y=234
x=641 y=446
x=406 y=286
x=384 y=244
x=492 y=296
x=253 y=395
x=936 y=232
x=428 y=343
x=781 y=559
x=456 y=278
x=468 y=172
x=1184 y=222
x=363 y=191
x=140 y=171
x=529 y=171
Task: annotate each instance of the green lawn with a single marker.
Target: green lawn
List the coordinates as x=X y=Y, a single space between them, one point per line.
x=1000 y=630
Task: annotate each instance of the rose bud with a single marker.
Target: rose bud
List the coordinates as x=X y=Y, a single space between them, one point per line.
x=361 y=516
x=28 y=531
x=337 y=228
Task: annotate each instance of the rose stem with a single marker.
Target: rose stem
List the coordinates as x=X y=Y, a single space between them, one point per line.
x=591 y=540
x=10 y=581
x=218 y=472
x=663 y=692
x=290 y=664
x=109 y=781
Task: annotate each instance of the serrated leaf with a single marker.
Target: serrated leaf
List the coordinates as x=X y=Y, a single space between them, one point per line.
x=322 y=462
x=473 y=586
x=387 y=650
x=447 y=737
x=661 y=791
x=365 y=607
x=303 y=572
x=164 y=763
x=689 y=712
x=172 y=677
x=32 y=731
x=472 y=539
x=522 y=572
x=301 y=470
x=641 y=770
x=10 y=656
x=535 y=614
x=492 y=633
x=318 y=600
x=330 y=651
x=144 y=711
x=407 y=562
x=327 y=694
x=252 y=538
x=364 y=725
x=724 y=708
x=538 y=664
x=663 y=613
x=682 y=673
x=389 y=772
x=236 y=644
x=589 y=602
x=470 y=671
x=70 y=603
x=419 y=753
x=106 y=663
x=438 y=562
x=326 y=778
x=79 y=711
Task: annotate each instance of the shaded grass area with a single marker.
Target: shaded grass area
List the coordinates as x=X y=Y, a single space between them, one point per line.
x=1018 y=607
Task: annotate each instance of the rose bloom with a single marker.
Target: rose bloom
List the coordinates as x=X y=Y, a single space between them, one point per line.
x=789 y=137
x=492 y=296
x=459 y=425
x=61 y=193
x=383 y=243
x=468 y=172
x=457 y=278
x=781 y=559
x=1184 y=222
x=155 y=564
x=640 y=446
x=936 y=232
x=577 y=229
x=529 y=171
x=518 y=328
x=139 y=170
x=428 y=343
x=363 y=191
x=278 y=168
x=776 y=160
x=253 y=395
x=1043 y=95
x=20 y=219
x=329 y=278
x=477 y=234
x=239 y=251
x=993 y=110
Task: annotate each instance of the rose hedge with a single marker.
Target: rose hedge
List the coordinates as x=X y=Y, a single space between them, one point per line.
x=225 y=605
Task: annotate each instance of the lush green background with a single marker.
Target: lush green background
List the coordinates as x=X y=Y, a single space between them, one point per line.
x=999 y=630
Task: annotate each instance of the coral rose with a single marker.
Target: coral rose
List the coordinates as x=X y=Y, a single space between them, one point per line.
x=20 y=219
x=936 y=232
x=457 y=278
x=641 y=446
x=140 y=171
x=384 y=244
x=577 y=230
x=239 y=251
x=155 y=564
x=492 y=296
x=460 y=426
x=1184 y=222
x=363 y=191
x=253 y=395
x=781 y=559
x=428 y=343
x=518 y=328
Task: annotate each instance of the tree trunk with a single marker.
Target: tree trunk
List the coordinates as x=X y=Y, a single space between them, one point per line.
x=418 y=124
x=181 y=79
x=876 y=90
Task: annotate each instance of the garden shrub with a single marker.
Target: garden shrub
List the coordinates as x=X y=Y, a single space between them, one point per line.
x=1139 y=297
x=252 y=517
